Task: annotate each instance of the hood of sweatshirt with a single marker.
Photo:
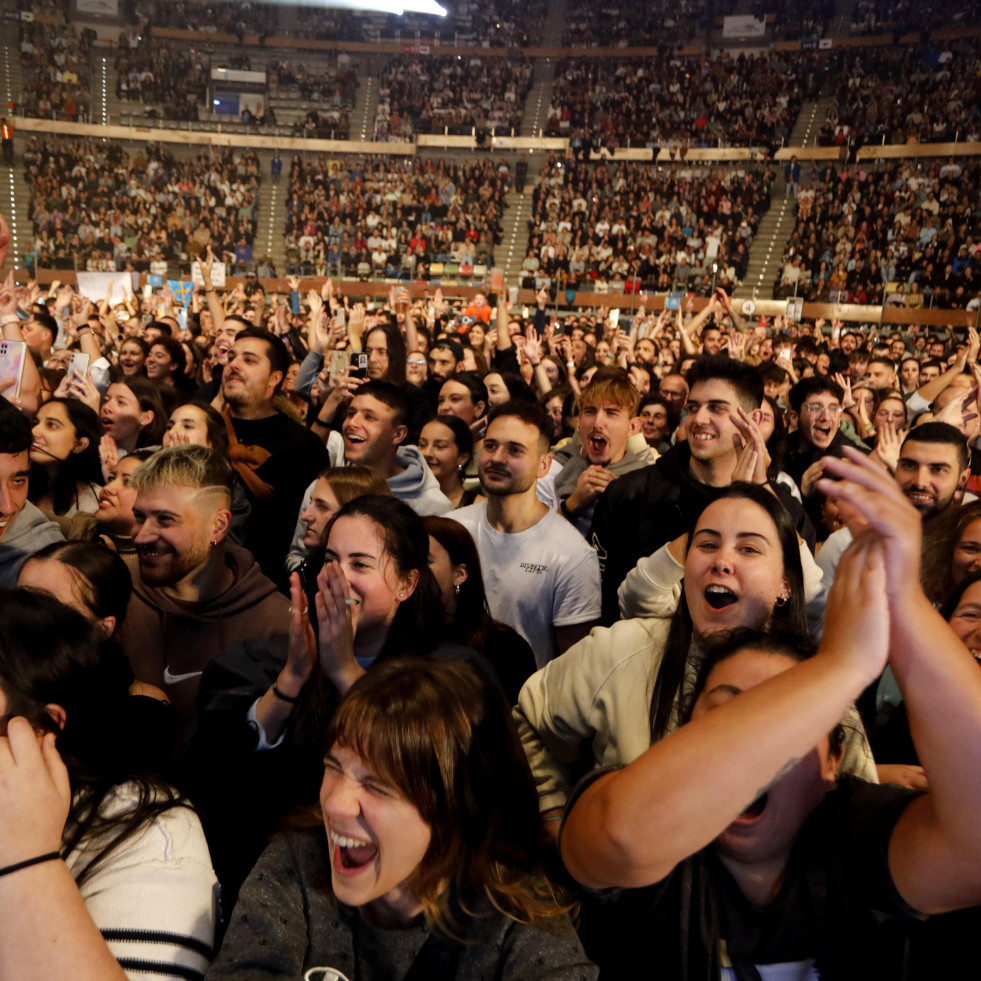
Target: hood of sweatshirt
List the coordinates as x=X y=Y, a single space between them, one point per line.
x=416 y=484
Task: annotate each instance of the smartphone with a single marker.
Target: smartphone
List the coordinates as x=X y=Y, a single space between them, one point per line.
x=513 y=294
x=359 y=364
x=615 y=318
x=338 y=365
x=78 y=365
x=13 y=357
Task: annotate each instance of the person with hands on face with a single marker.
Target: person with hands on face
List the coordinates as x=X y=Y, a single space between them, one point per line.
x=263 y=705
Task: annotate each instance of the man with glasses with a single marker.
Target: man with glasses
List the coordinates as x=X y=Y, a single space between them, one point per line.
x=816 y=402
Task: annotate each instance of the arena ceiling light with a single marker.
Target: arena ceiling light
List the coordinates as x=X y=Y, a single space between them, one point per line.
x=389 y=6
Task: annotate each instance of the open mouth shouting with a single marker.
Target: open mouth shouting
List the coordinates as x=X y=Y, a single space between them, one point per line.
x=720 y=597
x=349 y=856
x=754 y=812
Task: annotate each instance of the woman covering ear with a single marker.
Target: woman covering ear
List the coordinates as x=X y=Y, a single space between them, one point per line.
x=104 y=870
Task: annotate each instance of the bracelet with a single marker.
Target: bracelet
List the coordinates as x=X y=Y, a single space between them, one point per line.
x=211 y=289
x=78 y=330
x=534 y=364
x=292 y=699
x=570 y=364
x=10 y=319
x=28 y=862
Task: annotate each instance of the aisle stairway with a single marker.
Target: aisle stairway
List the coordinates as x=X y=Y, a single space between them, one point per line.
x=766 y=254
x=514 y=235
x=14 y=196
x=271 y=219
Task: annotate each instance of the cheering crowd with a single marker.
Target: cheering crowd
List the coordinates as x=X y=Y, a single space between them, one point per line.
x=661 y=623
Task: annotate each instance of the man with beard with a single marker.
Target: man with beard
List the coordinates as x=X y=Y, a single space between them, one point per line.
x=540 y=576
x=194 y=594
x=932 y=472
x=276 y=457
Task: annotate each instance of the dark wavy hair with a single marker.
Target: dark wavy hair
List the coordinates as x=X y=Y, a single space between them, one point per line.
x=83 y=467
x=102 y=579
x=788 y=643
x=444 y=737
x=52 y=655
x=419 y=624
x=148 y=395
x=673 y=671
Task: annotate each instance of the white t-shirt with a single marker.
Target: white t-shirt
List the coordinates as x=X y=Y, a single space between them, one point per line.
x=538 y=579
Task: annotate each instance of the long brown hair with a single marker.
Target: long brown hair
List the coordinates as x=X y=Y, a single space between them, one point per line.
x=443 y=736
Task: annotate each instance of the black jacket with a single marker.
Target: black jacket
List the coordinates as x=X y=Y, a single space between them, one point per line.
x=641 y=511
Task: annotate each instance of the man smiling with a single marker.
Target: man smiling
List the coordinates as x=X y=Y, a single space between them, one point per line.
x=24 y=530
x=541 y=578
x=194 y=594
x=643 y=510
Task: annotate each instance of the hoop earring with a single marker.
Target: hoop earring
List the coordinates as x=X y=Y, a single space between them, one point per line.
x=782 y=600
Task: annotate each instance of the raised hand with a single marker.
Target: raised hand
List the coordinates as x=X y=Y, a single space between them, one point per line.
x=302 y=654
x=887 y=445
x=753 y=459
x=337 y=620
x=878 y=505
x=108 y=456
x=856 y=618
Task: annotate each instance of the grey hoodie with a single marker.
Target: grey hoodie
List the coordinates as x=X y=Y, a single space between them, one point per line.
x=416 y=485
x=28 y=533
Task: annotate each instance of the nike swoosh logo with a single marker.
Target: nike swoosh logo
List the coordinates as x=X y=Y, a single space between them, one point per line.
x=173 y=679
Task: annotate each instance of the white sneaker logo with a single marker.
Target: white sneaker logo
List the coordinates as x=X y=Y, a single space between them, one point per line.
x=173 y=679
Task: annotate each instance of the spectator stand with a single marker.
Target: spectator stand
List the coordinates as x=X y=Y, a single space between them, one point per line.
x=94 y=206
x=624 y=225
x=892 y=229
x=451 y=94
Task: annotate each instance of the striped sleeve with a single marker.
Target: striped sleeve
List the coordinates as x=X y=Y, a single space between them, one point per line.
x=155 y=899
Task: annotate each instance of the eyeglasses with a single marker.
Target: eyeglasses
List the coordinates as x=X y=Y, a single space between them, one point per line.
x=818 y=409
x=416 y=362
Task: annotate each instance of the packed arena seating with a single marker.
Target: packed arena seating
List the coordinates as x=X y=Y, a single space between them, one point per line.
x=163 y=73
x=430 y=95
x=794 y=20
x=57 y=71
x=384 y=216
x=634 y=22
x=498 y=23
x=662 y=228
x=218 y=15
x=94 y=205
x=903 y=94
x=726 y=100
x=907 y=16
x=863 y=229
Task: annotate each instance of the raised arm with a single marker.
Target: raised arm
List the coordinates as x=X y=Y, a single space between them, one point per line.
x=632 y=827
x=935 y=850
